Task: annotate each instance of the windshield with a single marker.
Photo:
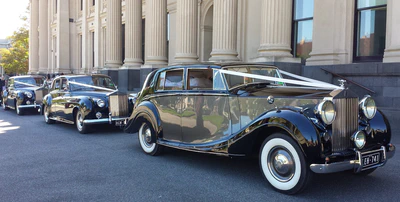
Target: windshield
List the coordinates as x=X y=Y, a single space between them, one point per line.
x=28 y=82
x=87 y=81
x=233 y=80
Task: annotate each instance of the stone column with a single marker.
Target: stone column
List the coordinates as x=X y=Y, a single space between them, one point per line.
x=63 y=60
x=43 y=36
x=114 y=37
x=392 y=51
x=133 y=33
x=333 y=27
x=224 y=42
x=34 y=38
x=276 y=29
x=186 y=31
x=156 y=32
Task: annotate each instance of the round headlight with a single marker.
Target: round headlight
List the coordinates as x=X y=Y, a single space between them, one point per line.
x=359 y=139
x=326 y=111
x=101 y=103
x=368 y=107
x=28 y=94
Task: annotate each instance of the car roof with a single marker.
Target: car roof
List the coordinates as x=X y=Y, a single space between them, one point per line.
x=80 y=75
x=27 y=76
x=216 y=65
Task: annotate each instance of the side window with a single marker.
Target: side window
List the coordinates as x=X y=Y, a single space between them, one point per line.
x=64 y=84
x=218 y=81
x=170 y=80
x=200 y=79
x=56 y=84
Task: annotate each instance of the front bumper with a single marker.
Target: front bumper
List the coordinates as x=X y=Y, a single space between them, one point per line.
x=118 y=120
x=355 y=164
x=34 y=105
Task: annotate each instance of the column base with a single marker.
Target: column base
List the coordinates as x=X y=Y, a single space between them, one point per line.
x=110 y=64
x=391 y=55
x=276 y=59
x=133 y=62
x=156 y=60
x=186 y=58
x=223 y=56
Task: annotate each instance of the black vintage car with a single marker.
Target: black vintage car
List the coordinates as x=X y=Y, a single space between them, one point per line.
x=24 y=93
x=297 y=126
x=85 y=100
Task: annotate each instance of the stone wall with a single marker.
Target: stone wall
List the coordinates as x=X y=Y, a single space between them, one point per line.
x=381 y=78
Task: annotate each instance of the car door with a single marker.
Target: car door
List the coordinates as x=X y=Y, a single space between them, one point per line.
x=64 y=99
x=55 y=97
x=168 y=101
x=10 y=93
x=205 y=107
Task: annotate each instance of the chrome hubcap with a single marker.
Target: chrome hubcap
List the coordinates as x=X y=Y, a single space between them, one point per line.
x=146 y=136
x=281 y=164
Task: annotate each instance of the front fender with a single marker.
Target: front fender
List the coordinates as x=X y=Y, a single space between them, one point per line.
x=146 y=110
x=294 y=123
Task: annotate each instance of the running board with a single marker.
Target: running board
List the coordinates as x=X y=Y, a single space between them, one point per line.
x=62 y=120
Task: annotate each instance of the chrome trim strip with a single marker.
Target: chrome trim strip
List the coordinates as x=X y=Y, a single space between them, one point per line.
x=352 y=164
x=29 y=106
x=104 y=120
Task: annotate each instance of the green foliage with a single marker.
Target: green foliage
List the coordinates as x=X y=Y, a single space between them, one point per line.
x=15 y=60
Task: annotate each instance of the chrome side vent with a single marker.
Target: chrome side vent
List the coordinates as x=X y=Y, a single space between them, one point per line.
x=345 y=124
x=118 y=105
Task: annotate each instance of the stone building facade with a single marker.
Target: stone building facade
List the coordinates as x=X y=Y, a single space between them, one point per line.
x=126 y=39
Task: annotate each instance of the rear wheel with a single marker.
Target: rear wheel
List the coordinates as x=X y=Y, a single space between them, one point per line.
x=145 y=134
x=80 y=125
x=283 y=164
x=46 y=114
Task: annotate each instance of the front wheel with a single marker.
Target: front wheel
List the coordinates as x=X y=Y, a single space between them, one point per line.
x=4 y=106
x=46 y=114
x=145 y=135
x=80 y=125
x=283 y=164
x=18 y=110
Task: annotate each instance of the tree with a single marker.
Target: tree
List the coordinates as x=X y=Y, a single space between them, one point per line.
x=15 y=60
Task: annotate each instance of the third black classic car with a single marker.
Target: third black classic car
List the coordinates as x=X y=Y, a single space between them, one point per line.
x=23 y=93
x=85 y=100
x=296 y=127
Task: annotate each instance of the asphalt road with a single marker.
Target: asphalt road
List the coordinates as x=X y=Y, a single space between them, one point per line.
x=40 y=162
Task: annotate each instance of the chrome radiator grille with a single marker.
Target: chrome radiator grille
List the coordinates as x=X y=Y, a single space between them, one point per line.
x=119 y=105
x=345 y=124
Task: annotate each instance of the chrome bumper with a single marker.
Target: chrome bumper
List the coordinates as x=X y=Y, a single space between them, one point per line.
x=109 y=120
x=355 y=164
x=34 y=105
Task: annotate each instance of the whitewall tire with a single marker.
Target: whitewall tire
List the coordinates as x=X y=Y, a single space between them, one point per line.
x=145 y=134
x=283 y=164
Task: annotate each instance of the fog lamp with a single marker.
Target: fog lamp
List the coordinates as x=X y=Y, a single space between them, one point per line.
x=28 y=102
x=359 y=139
x=98 y=115
x=28 y=94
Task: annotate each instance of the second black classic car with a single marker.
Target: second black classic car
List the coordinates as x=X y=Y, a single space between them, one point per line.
x=23 y=93
x=85 y=100
x=296 y=127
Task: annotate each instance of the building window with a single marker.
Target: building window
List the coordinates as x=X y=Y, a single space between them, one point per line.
x=370 y=35
x=303 y=13
x=56 y=5
x=93 y=2
x=81 y=5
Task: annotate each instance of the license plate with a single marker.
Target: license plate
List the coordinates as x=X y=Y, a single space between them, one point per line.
x=371 y=159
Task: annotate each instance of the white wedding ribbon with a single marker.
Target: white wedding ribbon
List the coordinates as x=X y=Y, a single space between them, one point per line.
x=92 y=86
x=304 y=81
x=26 y=84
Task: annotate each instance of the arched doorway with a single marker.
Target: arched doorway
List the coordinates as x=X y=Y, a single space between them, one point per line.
x=207 y=32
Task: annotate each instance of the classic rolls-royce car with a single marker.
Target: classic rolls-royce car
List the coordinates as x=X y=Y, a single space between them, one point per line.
x=297 y=126
x=85 y=100
x=23 y=93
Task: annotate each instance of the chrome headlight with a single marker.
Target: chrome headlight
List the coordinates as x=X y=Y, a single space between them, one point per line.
x=326 y=111
x=368 y=107
x=359 y=139
x=28 y=94
x=101 y=103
